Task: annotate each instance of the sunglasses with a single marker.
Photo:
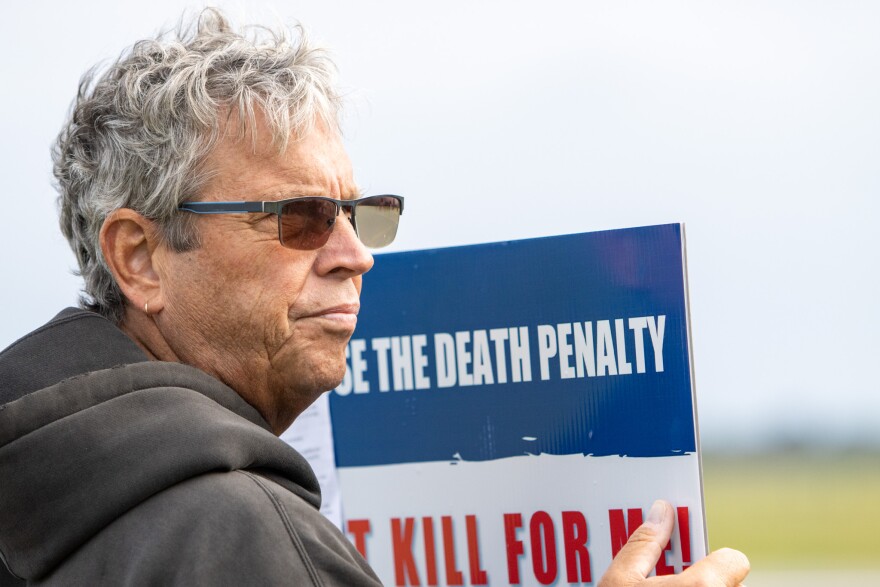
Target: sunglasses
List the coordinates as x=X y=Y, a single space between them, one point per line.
x=305 y=223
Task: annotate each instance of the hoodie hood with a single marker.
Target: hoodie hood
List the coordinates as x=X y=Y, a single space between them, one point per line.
x=92 y=429
x=72 y=343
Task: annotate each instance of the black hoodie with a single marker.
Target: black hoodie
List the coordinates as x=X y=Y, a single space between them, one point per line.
x=115 y=469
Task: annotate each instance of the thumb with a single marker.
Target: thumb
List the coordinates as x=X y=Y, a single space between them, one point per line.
x=637 y=558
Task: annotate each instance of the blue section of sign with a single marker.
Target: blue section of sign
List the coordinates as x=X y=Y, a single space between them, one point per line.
x=592 y=279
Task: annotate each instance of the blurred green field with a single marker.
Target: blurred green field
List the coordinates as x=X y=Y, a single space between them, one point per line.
x=796 y=510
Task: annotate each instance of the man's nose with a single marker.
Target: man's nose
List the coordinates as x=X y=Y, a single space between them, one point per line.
x=344 y=251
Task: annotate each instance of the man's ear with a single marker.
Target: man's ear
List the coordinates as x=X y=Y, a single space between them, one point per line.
x=128 y=241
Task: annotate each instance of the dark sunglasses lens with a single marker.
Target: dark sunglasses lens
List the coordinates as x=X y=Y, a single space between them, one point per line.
x=306 y=224
x=377 y=218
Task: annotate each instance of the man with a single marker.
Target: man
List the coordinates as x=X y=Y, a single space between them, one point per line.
x=221 y=237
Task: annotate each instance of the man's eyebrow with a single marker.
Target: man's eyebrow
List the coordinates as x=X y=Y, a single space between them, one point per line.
x=278 y=194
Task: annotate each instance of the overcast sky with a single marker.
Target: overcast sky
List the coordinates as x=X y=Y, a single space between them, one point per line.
x=755 y=123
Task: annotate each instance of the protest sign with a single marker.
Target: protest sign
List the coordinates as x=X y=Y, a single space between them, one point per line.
x=511 y=410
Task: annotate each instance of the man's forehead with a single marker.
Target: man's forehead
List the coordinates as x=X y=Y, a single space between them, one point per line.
x=311 y=163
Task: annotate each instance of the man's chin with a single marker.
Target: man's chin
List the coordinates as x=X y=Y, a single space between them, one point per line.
x=318 y=377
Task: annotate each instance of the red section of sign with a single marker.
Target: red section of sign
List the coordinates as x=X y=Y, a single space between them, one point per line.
x=453 y=575
x=574 y=539
x=620 y=530
x=515 y=549
x=478 y=575
x=401 y=542
x=359 y=530
x=543 y=546
x=663 y=567
x=684 y=532
x=430 y=551
x=543 y=540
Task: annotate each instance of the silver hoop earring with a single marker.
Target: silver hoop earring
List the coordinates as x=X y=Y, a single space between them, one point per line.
x=147 y=308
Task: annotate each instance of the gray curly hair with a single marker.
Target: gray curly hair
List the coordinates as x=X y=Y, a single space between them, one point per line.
x=138 y=134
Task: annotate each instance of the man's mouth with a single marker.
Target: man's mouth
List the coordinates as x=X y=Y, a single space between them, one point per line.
x=343 y=314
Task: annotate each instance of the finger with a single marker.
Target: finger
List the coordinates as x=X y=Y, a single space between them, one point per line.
x=725 y=566
x=640 y=553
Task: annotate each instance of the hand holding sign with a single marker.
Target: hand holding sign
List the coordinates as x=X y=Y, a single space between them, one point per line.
x=631 y=566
